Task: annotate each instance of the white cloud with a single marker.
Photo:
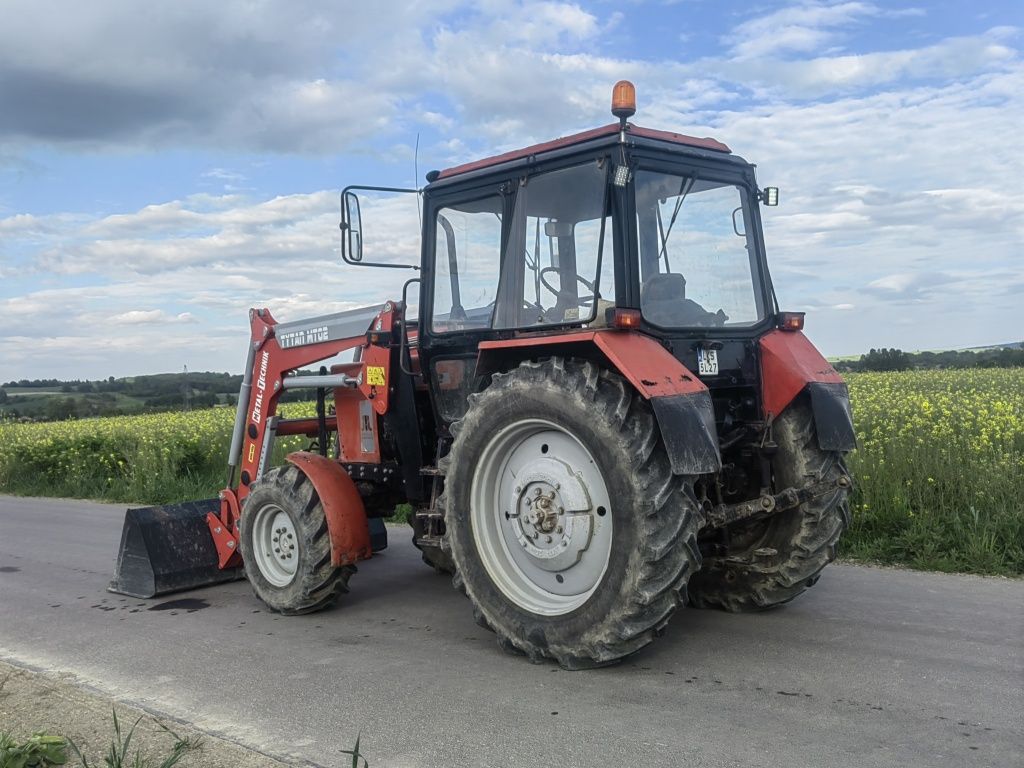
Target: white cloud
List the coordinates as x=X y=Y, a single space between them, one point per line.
x=151 y=317
x=803 y=27
x=898 y=167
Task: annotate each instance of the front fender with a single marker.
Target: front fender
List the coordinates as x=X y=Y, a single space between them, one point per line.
x=347 y=524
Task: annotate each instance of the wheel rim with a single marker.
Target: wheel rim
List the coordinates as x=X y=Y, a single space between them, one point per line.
x=541 y=517
x=275 y=545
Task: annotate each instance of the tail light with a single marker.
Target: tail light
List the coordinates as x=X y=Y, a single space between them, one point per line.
x=790 y=321
x=625 y=318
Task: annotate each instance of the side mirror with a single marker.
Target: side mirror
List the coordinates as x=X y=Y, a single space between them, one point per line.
x=351 y=228
x=352 y=232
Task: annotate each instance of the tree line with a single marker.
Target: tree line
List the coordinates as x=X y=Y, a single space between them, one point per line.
x=887 y=359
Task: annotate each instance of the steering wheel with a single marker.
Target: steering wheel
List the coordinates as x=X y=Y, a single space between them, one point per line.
x=583 y=301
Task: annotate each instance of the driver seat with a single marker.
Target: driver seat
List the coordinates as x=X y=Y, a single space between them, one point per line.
x=665 y=286
x=662 y=297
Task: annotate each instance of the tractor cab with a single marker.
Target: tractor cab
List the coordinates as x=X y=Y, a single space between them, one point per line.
x=560 y=235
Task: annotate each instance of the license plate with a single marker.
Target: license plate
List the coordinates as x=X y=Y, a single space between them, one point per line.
x=707 y=362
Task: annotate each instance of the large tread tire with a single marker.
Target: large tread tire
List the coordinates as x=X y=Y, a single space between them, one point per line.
x=655 y=517
x=317 y=582
x=803 y=540
x=439 y=560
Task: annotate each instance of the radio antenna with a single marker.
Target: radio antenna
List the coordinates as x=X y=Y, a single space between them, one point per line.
x=416 y=179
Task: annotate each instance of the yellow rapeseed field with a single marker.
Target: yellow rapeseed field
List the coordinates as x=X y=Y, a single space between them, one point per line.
x=939 y=470
x=152 y=458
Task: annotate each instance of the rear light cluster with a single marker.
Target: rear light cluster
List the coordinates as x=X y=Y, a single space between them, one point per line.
x=791 y=321
x=625 y=318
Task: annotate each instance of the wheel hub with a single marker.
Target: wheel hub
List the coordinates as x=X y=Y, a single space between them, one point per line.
x=282 y=540
x=553 y=524
x=276 y=546
x=543 y=514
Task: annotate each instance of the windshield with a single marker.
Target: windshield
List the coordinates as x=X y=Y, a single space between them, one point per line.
x=698 y=260
x=552 y=265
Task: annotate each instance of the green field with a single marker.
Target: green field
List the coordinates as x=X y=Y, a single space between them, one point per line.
x=939 y=472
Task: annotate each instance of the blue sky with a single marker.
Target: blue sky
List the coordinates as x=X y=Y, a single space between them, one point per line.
x=163 y=167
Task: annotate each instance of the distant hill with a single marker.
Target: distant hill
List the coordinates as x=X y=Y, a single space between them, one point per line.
x=1010 y=345
x=47 y=399
x=54 y=399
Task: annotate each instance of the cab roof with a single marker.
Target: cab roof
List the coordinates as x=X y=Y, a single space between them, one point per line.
x=611 y=129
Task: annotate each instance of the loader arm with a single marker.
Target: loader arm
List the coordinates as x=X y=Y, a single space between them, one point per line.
x=361 y=393
x=183 y=546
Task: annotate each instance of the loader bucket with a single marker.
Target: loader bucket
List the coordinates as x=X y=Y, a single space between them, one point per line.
x=168 y=549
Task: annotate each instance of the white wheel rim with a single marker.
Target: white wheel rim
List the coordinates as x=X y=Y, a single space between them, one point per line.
x=275 y=545
x=541 y=517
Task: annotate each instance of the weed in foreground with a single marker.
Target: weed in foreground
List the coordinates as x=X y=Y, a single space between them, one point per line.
x=41 y=750
x=119 y=754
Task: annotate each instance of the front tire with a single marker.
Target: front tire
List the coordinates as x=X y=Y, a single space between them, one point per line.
x=778 y=559
x=286 y=547
x=567 y=528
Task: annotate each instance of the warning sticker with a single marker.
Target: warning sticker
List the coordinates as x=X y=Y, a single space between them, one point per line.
x=375 y=375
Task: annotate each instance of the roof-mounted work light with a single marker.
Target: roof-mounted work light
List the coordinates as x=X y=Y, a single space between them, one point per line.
x=770 y=196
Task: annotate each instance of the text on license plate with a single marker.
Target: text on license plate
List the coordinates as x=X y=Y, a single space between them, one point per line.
x=707 y=362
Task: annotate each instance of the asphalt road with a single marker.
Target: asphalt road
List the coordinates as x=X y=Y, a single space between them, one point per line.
x=873 y=667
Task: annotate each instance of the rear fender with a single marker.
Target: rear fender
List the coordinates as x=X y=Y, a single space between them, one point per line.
x=682 y=404
x=790 y=364
x=347 y=525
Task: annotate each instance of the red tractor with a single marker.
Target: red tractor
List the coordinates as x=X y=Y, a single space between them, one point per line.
x=599 y=414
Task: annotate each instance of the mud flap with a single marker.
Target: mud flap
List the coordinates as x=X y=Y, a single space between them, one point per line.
x=833 y=419
x=168 y=549
x=687 y=424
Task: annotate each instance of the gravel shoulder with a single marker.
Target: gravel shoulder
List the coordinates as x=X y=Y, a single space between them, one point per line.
x=32 y=701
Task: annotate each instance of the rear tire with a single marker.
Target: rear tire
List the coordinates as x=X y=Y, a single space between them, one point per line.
x=286 y=547
x=600 y=539
x=778 y=559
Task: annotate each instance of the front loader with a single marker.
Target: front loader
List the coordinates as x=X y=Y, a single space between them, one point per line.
x=599 y=413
